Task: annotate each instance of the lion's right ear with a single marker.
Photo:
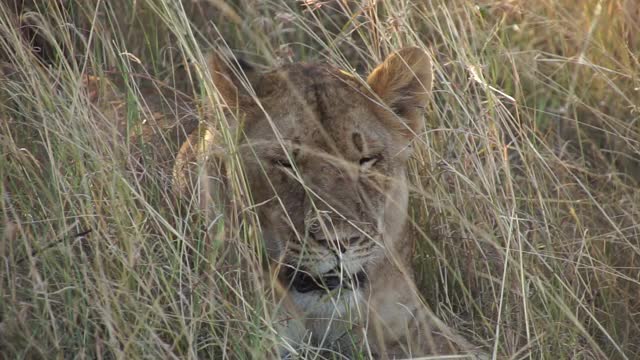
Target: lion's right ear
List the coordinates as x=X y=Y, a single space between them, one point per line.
x=200 y=158
x=232 y=77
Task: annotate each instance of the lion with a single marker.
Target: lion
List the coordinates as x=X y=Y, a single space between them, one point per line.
x=325 y=156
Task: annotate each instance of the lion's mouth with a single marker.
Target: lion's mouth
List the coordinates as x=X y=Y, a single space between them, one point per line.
x=303 y=282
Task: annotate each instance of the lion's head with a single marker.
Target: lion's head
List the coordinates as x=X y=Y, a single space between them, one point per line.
x=325 y=155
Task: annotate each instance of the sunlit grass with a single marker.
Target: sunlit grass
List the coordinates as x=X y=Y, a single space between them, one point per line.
x=525 y=198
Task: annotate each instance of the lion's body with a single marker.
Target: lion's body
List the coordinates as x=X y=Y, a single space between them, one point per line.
x=325 y=157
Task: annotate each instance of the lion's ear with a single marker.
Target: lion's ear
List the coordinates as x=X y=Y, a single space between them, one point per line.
x=200 y=158
x=232 y=77
x=403 y=81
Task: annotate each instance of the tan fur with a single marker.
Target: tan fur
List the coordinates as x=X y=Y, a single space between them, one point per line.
x=325 y=157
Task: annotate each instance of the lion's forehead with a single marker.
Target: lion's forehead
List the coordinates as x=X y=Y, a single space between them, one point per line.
x=338 y=129
x=317 y=106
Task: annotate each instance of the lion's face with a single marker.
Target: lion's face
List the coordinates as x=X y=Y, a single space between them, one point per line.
x=325 y=157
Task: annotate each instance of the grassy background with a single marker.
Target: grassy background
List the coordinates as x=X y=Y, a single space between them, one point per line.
x=525 y=200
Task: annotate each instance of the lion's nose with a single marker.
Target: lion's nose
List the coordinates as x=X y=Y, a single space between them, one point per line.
x=335 y=240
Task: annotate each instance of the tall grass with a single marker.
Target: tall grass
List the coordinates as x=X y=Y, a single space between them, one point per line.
x=525 y=198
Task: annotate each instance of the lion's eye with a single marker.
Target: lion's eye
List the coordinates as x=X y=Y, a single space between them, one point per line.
x=283 y=163
x=369 y=161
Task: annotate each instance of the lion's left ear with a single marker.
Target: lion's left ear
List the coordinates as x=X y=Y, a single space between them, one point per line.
x=403 y=81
